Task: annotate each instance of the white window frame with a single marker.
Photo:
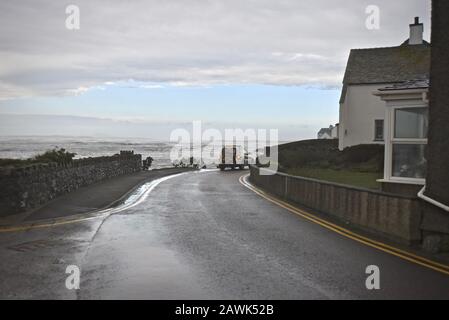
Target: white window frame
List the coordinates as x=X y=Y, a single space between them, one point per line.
x=390 y=140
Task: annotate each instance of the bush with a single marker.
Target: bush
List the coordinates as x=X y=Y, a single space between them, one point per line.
x=325 y=154
x=364 y=157
x=60 y=156
x=308 y=153
x=363 y=153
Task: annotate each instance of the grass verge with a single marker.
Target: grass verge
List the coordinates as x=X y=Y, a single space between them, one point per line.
x=353 y=178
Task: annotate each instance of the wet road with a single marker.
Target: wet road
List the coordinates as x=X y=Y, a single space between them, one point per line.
x=203 y=235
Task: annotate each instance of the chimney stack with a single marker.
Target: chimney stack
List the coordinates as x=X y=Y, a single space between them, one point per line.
x=416 y=32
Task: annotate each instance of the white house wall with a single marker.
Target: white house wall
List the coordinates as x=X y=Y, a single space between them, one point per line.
x=334 y=134
x=357 y=115
x=324 y=136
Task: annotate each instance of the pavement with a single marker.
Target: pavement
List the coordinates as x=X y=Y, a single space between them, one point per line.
x=204 y=235
x=97 y=196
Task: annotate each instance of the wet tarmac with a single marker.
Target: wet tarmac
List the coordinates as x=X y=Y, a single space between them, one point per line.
x=202 y=235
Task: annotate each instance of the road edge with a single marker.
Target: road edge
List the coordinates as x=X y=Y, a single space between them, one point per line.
x=94 y=214
x=400 y=253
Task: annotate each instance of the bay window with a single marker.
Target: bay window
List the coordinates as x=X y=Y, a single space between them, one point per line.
x=406 y=126
x=408 y=143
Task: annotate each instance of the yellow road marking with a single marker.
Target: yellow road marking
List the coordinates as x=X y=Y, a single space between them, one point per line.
x=347 y=233
x=45 y=225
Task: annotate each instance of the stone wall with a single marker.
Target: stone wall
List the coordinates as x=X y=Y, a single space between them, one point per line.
x=397 y=217
x=29 y=187
x=405 y=189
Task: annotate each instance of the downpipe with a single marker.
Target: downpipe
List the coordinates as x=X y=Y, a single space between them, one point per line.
x=421 y=195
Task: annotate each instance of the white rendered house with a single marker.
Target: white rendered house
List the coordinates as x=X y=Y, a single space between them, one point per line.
x=362 y=114
x=334 y=133
x=325 y=133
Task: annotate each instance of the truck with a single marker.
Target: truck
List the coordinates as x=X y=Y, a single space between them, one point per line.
x=233 y=157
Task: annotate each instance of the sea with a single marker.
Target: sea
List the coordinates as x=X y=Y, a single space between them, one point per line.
x=23 y=147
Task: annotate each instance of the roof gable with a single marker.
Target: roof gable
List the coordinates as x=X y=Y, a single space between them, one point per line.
x=387 y=65
x=325 y=131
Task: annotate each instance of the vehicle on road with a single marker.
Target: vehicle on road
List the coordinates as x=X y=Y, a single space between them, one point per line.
x=233 y=157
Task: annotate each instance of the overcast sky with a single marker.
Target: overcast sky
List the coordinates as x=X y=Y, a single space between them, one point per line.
x=277 y=62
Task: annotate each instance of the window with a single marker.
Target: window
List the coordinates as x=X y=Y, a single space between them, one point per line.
x=411 y=123
x=409 y=161
x=378 y=130
x=409 y=141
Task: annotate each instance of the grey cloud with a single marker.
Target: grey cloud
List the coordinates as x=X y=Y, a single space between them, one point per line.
x=286 y=42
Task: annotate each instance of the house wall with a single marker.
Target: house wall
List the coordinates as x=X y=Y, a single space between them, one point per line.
x=334 y=134
x=357 y=115
x=324 y=136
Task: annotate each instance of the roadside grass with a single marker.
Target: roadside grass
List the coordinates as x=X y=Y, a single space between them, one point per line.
x=358 y=166
x=349 y=177
x=15 y=162
x=56 y=155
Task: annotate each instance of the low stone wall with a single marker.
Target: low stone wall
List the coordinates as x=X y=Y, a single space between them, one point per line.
x=397 y=217
x=29 y=187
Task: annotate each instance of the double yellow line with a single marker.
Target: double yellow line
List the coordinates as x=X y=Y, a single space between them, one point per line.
x=54 y=223
x=347 y=233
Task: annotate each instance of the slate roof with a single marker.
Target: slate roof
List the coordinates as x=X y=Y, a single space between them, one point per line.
x=387 y=65
x=408 y=85
x=324 y=131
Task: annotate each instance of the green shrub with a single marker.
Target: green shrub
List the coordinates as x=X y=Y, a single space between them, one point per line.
x=325 y=154
x=60 y=156
x=363 y=153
